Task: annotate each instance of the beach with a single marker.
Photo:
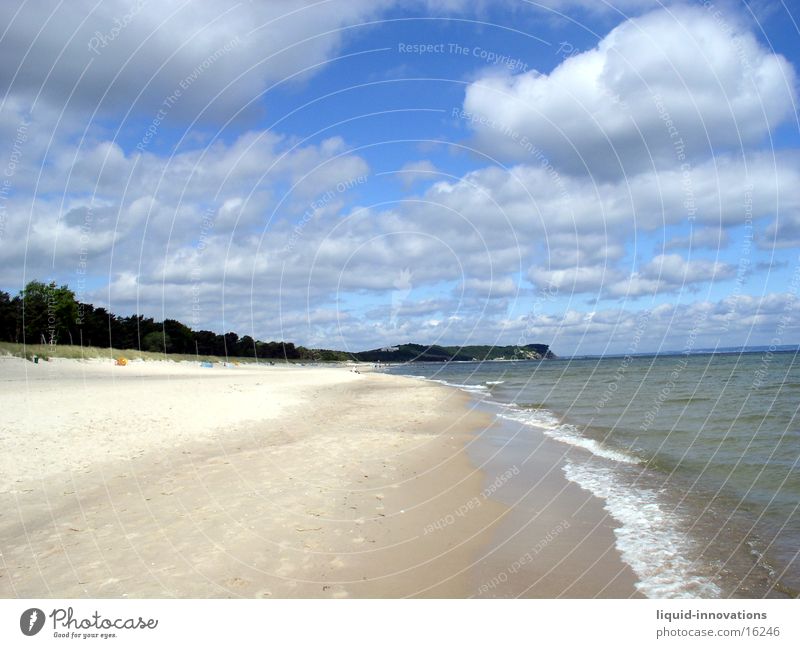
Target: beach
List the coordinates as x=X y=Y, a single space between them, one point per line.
x=163 y=479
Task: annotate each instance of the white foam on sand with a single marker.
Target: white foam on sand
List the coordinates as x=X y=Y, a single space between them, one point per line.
x=471 y=389
x=565 y=433
x=647 y=538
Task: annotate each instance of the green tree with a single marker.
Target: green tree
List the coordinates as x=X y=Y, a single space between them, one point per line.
x=157 y=341
x=246 y=347
x=8 y=317
x=231 y=344
x=180 y=335
x=49 y=313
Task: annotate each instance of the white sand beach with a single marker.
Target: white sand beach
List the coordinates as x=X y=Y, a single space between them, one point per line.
x=162 y=479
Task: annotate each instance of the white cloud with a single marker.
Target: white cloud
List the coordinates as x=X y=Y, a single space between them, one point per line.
x=146 y=209
x=492 y=224
x=418 y=170
x=670 y=83
x=733 y=321
x=600 y=6
x=578 y=279
x=703 y=238
x=670 y=273
x=783 y=232
x=122 y=54
x=477 y=232
x=490 y=288
x=238 y=222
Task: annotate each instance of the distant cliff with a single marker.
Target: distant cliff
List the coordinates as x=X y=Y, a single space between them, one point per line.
x=435 y=353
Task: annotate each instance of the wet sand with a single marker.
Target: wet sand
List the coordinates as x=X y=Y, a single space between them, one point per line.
x=557 y=540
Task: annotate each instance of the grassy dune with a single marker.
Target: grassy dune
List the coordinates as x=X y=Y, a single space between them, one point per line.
x=46 y=351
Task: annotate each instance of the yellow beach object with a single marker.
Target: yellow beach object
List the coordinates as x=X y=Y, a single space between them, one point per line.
x=121 y=362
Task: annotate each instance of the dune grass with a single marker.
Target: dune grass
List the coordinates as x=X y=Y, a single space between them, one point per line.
x=47 y=351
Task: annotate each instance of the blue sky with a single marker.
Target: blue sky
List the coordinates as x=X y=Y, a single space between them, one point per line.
x=599 y=176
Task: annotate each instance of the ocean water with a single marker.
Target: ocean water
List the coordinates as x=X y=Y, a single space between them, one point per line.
x=695 y=456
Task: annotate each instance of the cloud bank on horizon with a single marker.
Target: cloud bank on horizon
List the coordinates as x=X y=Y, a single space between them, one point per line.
x=350 y=174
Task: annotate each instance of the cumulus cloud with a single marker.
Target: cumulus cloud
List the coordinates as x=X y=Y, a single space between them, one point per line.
x=670 y=273
x=782 y=232
x=417 y=170
x=599 y=6
x=490 y=288
x=724 y=191
x=670 y=86
x=730 y=321
x=252 y=226
x=473 y=233
x=733 y=321
x=575 y=280
x=664 y=274
x=149 y=210
x=703 y=238
x=132 y=54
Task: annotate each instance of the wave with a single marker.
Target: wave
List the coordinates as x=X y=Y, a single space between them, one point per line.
x=648 y=538
x=772 y=573
x=687 y=399
x=473 y=389
x=494 y=382
x=566 y=433
x=534 y=406
x=548 y=423
x=496 y=404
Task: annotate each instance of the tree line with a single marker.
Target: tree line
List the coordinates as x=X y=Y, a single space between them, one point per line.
x=50 y=314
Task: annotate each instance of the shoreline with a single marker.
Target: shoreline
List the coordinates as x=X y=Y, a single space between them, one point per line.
x=164 y=479
x=558 y=540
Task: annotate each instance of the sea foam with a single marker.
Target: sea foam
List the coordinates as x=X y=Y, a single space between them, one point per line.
x=647 y=538
x=565 y=433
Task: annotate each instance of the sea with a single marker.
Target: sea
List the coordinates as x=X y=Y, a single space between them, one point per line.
x=694 y=456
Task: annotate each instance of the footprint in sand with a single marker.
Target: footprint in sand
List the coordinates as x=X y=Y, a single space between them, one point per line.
x=237 y=582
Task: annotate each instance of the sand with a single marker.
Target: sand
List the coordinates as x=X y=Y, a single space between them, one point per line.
x=164 y=479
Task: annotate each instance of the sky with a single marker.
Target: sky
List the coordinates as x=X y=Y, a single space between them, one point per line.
x=601 y=176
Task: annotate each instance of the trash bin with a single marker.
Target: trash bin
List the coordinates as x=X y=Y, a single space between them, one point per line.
x=36 y=359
